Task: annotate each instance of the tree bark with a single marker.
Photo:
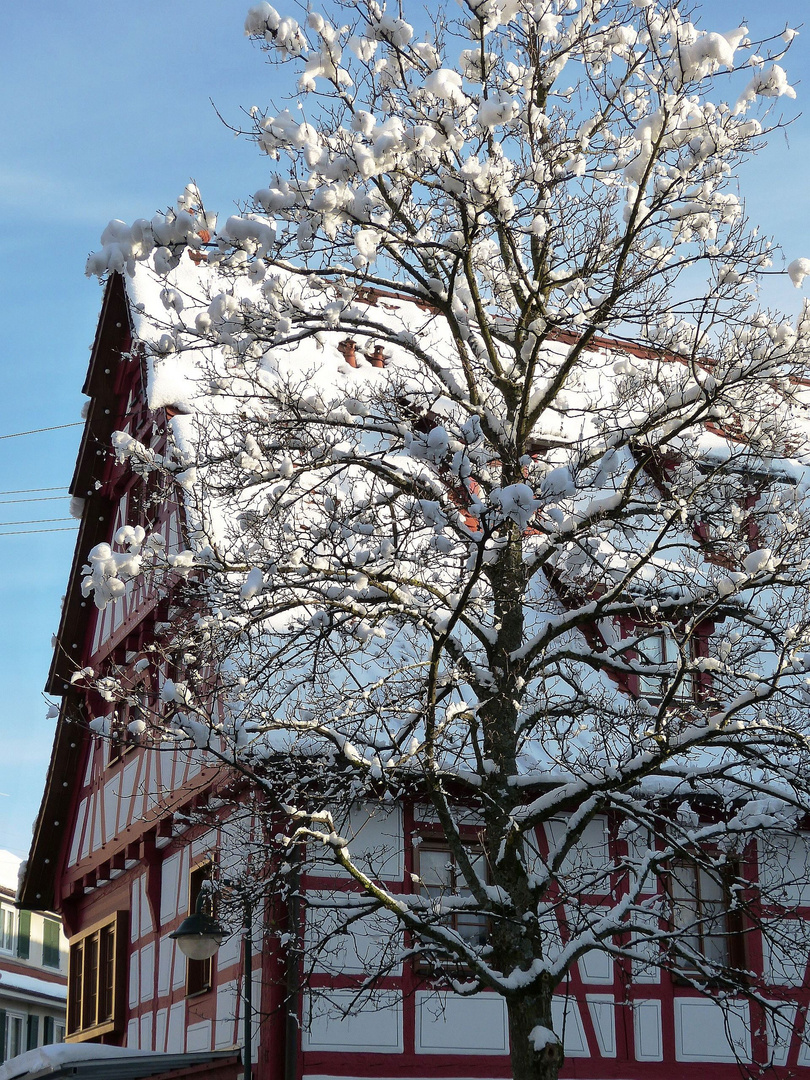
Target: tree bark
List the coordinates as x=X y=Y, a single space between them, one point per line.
x=525 y=1014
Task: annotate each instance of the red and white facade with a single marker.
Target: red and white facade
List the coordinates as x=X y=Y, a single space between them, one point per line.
x=116 y=853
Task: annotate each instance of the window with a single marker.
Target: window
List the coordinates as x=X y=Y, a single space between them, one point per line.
x=95 y=979
x=15 y=1028
x=198 y=972
x=699 y=914
x=8 y=917
x=659 y=647
x=442 y=879
x=50 y=943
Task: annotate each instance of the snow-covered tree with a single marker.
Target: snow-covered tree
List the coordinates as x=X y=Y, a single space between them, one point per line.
x=497 y=483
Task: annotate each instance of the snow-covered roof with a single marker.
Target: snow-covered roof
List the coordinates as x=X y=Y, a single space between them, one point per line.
x=9 y=870
x=30 y=984
x=100 y=1062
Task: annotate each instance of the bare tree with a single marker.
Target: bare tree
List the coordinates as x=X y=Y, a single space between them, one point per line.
x=495 y=476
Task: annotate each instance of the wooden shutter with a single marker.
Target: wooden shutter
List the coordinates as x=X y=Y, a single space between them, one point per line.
x=24 y=935
x=32 y=1035
x=2 y=1035
x=50 y=943
x=48 y=1031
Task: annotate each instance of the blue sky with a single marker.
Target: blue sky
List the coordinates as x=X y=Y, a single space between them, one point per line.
x=107 y=113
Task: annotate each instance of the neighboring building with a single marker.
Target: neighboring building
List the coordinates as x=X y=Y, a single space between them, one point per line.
x=33 y=971
x=117 y=853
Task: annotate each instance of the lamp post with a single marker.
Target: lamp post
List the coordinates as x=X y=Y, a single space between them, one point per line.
x=199 y=936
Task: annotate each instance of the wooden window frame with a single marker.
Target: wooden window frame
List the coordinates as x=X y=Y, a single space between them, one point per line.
x=655 y=688
x=458 y=885
x=105 y=943
x=730 y=934
x=199 y=973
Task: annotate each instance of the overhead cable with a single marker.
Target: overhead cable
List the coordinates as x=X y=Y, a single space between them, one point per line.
x=28 y=532
x=33 y=521
x=36 y=431
x=42 y=498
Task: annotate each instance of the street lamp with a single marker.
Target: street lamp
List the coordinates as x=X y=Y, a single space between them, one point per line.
x=199 y=936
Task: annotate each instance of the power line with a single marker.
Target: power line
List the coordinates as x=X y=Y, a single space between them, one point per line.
x=42 y=498
x=33 y=521
x=36 y=431
x=29 y=532
x=26 y=491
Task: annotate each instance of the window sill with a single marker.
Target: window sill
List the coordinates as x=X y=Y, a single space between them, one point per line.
x=92 y=1032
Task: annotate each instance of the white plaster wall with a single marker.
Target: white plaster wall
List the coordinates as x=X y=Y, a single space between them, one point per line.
x=643 y=969
x=176 y=1037
x=784 y=954
x=647 y=1030
x=128 y=774
x=448 y=1024
x=230 y=952
x=134 y=979
x=706 y=1032
x=566 y=1016
x=112 y=792
x=165 y=955
x=374 y=1028
x=170 y=874
x=784 y=870
x=146 y=909
x=361 y=949
x=85 y=831
x=779 y=1030
x=161 y=1023
x=227 y=1008
x=603 y=1017
x=204 y=845
x=148 y=972
x=589 y=856
x=198 y=1036
x=135 y=910
x=639 y=843
x=146 y=1032
x=78 y=828
x=178 y=968
x=804 y=1045
x=376 y=843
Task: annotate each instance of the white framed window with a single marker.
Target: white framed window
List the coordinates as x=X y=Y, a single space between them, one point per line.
x=15 y=1034
x=8 y=924
x=660 y=648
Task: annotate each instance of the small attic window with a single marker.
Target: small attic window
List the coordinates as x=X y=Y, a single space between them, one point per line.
x=660 y=648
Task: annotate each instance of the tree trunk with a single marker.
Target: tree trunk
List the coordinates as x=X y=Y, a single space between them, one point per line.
x=525 y=1014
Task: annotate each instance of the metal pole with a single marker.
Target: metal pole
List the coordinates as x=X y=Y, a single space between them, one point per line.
x=247 y=993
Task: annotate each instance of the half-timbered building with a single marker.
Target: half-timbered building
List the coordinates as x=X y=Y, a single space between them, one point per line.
x=127 y=834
